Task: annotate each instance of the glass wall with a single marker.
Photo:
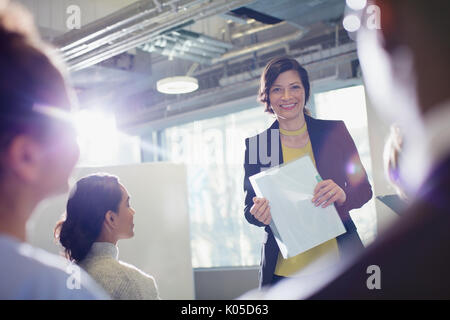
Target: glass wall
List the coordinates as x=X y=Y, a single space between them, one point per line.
x=213 y=151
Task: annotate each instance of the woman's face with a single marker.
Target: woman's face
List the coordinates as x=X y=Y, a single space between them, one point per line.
x=287 y=95
x=125 y=215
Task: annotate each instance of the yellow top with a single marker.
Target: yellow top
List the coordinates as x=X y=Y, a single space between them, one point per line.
x=287 y=267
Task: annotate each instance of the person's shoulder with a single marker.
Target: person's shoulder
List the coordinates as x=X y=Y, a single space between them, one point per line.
x=325 y=122
x=99 y=263
x=134 y=271
x=103 y=269
x=142 y=284
x=35 y=259
x=327 y=129
x=39 y=274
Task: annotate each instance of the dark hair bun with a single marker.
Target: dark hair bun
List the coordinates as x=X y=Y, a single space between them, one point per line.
x=89 y=201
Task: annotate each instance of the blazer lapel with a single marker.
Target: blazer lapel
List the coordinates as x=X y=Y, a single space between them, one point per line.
x=316 y=142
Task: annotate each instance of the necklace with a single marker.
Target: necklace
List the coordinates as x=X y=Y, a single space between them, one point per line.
x=295 y=132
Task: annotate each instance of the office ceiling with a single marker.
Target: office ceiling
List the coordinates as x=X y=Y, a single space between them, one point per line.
x=116 y=60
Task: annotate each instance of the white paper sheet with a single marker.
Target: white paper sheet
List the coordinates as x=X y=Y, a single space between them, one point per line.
x=298 y=225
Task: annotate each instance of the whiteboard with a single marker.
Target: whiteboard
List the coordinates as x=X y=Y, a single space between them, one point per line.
x=161 y=244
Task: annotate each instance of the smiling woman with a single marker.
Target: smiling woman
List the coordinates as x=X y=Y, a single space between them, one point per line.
x=285 y=91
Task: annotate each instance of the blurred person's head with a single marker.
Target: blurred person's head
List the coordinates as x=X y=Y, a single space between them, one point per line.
x=284 y=81
x=405 y=64
x=392 y=154
x=408 y=56
x=38 y=148
x=98 y=210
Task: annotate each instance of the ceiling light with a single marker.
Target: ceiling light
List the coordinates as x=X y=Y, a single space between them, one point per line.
x=177 y=85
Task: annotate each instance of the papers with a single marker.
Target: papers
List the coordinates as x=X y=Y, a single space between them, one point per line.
x=297 y=224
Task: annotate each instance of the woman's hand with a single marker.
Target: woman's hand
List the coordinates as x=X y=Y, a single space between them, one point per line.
x=326 y=192
x=261 y=210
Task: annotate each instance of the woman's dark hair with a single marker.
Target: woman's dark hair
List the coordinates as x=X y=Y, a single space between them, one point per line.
x=90 y=199
x=271 y=72
x=30 y=75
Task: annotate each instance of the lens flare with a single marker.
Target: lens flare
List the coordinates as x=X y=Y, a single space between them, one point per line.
x=356 y=4
x=351 y=23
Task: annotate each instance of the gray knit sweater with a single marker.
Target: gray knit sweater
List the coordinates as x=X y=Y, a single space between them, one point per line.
x=121 y=280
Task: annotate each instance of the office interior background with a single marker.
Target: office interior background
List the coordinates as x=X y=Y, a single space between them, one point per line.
x=181 y=154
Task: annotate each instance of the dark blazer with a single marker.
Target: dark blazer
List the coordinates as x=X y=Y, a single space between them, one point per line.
x=336 y=158
x=413 y=256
